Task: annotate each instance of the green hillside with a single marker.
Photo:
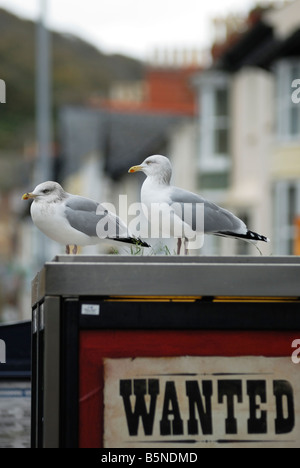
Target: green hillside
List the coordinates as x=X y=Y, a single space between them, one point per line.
x=79 y=71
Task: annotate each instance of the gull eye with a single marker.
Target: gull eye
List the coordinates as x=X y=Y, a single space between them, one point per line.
x=46 y=191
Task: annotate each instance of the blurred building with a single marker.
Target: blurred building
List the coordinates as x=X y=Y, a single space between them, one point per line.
x=13 y=171
x=249 y=127
x=283 y=58
x=101 y=141
x=97 y=145
x=230 y=124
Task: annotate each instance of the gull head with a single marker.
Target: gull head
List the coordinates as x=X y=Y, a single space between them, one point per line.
x=47 y=192
x=156 y=166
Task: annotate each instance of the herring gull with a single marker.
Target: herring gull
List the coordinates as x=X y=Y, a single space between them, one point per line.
x=75 y=220
x=216 y=220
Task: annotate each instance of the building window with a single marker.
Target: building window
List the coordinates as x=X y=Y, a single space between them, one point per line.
x=288 y=110
x=213 y=180
x=214 y=122
x=221 y=122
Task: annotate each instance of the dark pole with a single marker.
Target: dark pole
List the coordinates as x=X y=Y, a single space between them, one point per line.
x=44 y=161
x=43 y=99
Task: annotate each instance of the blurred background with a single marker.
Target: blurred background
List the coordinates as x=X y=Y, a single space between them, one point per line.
x=90 y=90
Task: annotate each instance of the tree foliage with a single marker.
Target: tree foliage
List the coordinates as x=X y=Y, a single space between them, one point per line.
x=79 y=71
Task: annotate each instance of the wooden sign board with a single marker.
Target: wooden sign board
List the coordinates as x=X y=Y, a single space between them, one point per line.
x=203 y=402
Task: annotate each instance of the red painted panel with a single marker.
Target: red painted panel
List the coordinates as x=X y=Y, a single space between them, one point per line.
x=95 y=345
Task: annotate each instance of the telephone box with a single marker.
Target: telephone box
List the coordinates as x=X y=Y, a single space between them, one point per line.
x=164 y=352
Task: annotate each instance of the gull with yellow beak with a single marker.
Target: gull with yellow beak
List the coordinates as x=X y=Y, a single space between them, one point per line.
x=158 y=190
x=74 y=220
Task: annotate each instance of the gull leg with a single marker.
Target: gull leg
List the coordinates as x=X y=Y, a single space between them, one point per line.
x=75 y=250
x=67 y=249
x=179 y=242
x=186 y=250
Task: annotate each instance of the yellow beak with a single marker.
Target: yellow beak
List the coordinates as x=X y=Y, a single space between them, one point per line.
x=26 y=196
x=135 y=169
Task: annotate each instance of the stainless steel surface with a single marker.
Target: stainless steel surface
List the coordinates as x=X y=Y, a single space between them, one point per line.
x=69 y=276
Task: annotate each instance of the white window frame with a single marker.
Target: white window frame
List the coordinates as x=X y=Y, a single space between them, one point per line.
x=209 y=160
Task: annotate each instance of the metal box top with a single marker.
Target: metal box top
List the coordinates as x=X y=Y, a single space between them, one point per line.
x=102 y=276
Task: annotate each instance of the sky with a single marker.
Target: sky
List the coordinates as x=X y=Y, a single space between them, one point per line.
x=133 y=27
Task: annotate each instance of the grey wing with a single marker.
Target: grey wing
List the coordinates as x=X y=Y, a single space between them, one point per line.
x=93 y=219
x=216 y=219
